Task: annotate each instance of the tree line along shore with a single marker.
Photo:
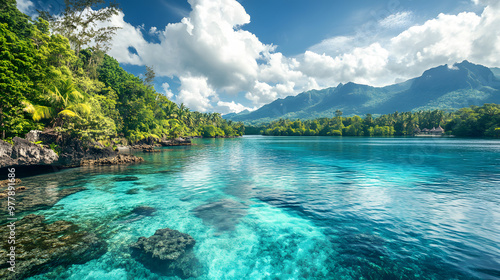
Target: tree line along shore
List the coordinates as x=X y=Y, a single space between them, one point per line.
x=474 y=121
x=52 y=79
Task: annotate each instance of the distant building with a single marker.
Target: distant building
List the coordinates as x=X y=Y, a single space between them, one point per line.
x=437 y=131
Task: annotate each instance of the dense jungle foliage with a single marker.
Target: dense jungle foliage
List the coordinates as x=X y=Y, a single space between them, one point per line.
x=50 y=81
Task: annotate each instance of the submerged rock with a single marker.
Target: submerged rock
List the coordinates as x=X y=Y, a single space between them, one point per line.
x=138 y=213
x=132 y=191
x=126 y=178
x=37 y=198
x=4 y=187
x=223 y=214
x=154 y=188
x=168 y=252
x=144 y=210
x=41 y=247
x=119 y=159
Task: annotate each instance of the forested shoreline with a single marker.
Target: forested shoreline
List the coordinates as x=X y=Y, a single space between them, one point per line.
x=475 y=121
x=50 y=81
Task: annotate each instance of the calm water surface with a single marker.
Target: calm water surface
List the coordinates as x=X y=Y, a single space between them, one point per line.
x=299 y=208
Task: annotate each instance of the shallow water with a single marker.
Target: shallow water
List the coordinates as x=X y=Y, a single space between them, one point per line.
x=299 y=208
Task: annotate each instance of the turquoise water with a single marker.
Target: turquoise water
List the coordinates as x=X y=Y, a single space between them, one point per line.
x=299 y=208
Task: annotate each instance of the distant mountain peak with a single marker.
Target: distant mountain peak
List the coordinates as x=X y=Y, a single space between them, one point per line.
x=444 y=87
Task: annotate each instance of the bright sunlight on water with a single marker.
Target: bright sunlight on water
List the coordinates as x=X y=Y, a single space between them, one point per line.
x=298 y=208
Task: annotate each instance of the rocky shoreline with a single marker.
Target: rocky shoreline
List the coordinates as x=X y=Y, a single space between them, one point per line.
x=149 y=145
x=57 y=245
x=39 y=149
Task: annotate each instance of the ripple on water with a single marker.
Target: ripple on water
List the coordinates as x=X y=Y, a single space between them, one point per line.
x=299 y=208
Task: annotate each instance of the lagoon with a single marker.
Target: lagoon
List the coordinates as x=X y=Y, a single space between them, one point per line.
x=297 y=208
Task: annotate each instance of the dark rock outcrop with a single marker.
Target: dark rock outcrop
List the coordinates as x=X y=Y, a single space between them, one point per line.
x=48 y=136
x=223 y=214
x=176 y=142
x=168 y=252
x=148 y=144
x=151 y=150
x=23 y=152
x=118 y=159
x=72 y=152
x=40 y=247
x=144 y=146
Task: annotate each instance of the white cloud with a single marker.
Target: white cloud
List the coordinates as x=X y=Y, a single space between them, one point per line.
x=487 y=2
x=166 y=90
x=153 y=30
x=400 y=19
x=362 y=65
x=213 y=56
x=209 y=43
x=195 y=93
x=26 y=6
x=127 y=36
x=444 y=40
x=231 y=107
x=334 y=45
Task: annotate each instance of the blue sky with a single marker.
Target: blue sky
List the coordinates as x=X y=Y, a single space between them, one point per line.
x=295 y=25
x=228 y=55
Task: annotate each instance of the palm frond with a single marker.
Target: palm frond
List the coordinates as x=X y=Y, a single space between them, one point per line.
x=37 y=112
x=80 y=107
x=75 y=96
x=67 y=113
x=42 y=112
x=55 y=96
x=69 y=91
x=28 y=107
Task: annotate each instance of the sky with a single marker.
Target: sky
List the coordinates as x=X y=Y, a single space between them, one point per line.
x=227 y=55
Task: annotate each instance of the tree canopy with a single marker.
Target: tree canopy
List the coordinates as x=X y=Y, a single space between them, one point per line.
x=48 y=80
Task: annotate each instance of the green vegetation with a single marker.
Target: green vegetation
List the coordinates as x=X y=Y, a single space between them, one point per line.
x=474 y=121
x=47 y=80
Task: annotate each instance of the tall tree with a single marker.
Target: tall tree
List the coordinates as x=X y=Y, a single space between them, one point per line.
x=149 y=76
x=79 y=22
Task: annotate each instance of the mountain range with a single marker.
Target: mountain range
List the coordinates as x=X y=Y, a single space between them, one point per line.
x=444 y=87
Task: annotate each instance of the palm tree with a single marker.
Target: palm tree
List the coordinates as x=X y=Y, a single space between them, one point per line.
x=170 y=110
x=65 y=101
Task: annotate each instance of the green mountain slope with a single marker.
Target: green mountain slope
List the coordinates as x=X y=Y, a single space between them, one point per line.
x=443 y=87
